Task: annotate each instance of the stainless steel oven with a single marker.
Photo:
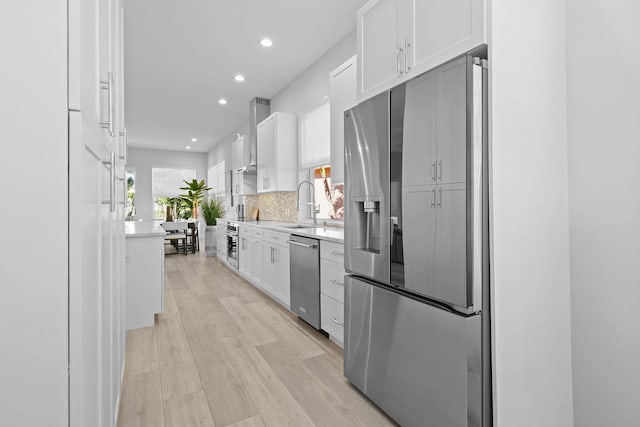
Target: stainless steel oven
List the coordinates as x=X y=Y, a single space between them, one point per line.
x=232 y=244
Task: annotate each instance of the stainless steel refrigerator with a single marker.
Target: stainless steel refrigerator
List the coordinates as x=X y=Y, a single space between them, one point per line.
x=417 y=322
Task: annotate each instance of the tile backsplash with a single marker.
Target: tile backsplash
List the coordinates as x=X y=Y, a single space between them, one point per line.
x=273 y=206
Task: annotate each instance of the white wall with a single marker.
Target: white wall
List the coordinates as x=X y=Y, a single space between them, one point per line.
x=33 y=185
x=604 y=180
x=143 y=160
x=530 y=219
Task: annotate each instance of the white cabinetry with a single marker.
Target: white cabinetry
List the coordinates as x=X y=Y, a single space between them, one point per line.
x=276 y=265
x=216 y=179
x=250 y=257
x=400 y=39
x=221 y=240
x=245 y=182
x=277 y=153
x=332 y=289
x=342 y=84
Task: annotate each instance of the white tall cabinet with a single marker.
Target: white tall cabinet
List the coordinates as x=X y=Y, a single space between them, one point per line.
x=62 y=316
x=342 y=88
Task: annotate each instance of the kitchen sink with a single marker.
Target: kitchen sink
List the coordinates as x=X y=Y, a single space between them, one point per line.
x=300 y=226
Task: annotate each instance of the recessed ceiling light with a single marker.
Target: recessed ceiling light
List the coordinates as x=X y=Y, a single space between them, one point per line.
x=222 y=101
x=194 y=139
x=188 y=147
x=265 y=42
x=239 y=78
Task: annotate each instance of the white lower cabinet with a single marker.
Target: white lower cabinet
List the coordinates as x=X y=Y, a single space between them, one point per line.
x=332 y=318
x=332 y=290
x=221 y=243
x=276 y=266
x=264 y=260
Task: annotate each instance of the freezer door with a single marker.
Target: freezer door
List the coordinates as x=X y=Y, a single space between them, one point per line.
x=420 y=364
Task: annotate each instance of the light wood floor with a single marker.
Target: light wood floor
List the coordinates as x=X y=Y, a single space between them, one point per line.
x=224 y=354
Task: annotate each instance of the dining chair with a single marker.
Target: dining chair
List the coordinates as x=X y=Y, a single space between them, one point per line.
x=192 y=233
x=176 y=236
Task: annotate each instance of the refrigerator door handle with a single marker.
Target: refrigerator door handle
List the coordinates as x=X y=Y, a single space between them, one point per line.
x=478 y=190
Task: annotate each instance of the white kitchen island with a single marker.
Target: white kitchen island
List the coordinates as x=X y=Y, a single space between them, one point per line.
x=144 y=284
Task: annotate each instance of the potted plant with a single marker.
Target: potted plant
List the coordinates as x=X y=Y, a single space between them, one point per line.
x=195 y=193
x=211 y=211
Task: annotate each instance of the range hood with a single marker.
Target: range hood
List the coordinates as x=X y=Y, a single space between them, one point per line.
x=259 y=109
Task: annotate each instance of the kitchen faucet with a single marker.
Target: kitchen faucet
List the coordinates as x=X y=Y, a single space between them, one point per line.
x=313 y=203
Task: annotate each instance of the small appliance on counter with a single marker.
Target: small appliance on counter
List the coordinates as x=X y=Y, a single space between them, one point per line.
x=240 y=211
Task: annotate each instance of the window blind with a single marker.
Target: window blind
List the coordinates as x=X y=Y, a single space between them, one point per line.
x=166 y=182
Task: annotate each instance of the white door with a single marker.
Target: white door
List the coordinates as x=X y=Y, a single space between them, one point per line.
x=281 y=283
x=343 y=84
x=440 y=30
x=380 y=53
x=88 y=216
x=266 y=152
x=243 y=255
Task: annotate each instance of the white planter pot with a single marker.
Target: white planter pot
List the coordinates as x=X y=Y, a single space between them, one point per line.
x=210 y=239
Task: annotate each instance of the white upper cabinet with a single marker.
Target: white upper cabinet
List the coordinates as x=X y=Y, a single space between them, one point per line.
x=216 y=179
x=277 y=153
x=342 y=83
x=379 y=32
x=410 y=37
x=243 y=183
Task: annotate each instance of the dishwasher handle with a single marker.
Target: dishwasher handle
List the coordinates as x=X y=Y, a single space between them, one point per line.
x=304 y=245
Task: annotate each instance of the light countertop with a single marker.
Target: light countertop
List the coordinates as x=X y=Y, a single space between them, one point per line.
x=332 y=234
x=143 y=229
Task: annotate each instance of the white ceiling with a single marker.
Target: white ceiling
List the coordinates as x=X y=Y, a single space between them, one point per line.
x=181 y=57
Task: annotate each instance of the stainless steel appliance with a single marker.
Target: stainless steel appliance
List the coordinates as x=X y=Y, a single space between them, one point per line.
x=304 y=267
x=240 y=211
x=416 y=238
x=232 y=244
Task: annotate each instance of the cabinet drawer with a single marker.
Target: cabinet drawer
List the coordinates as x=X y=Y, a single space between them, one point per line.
x=252 y=232
x=332 y=251
x=332 y=317
x=276 y=237
x=332 y=279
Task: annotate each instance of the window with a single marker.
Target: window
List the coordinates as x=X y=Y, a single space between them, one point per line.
x=329 y=197
x=314 y=126
x=166 y=183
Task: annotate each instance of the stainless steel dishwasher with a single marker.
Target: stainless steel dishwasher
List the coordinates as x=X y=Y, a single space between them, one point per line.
x=305 y=279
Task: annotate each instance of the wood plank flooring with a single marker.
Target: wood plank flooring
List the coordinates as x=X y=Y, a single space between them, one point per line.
x=224 y=354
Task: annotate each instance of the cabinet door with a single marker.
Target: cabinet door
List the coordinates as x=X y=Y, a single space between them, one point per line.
x=419 y=134
x=256 y=261
x=95 y=313
x=343 y=85
x=380 y=57
x=221 y=178
x=440 y=30
x=451 y=121
x=280 y=278
x=243 y=255
x=266 y=153
x=235 y=154
x=450 y=278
